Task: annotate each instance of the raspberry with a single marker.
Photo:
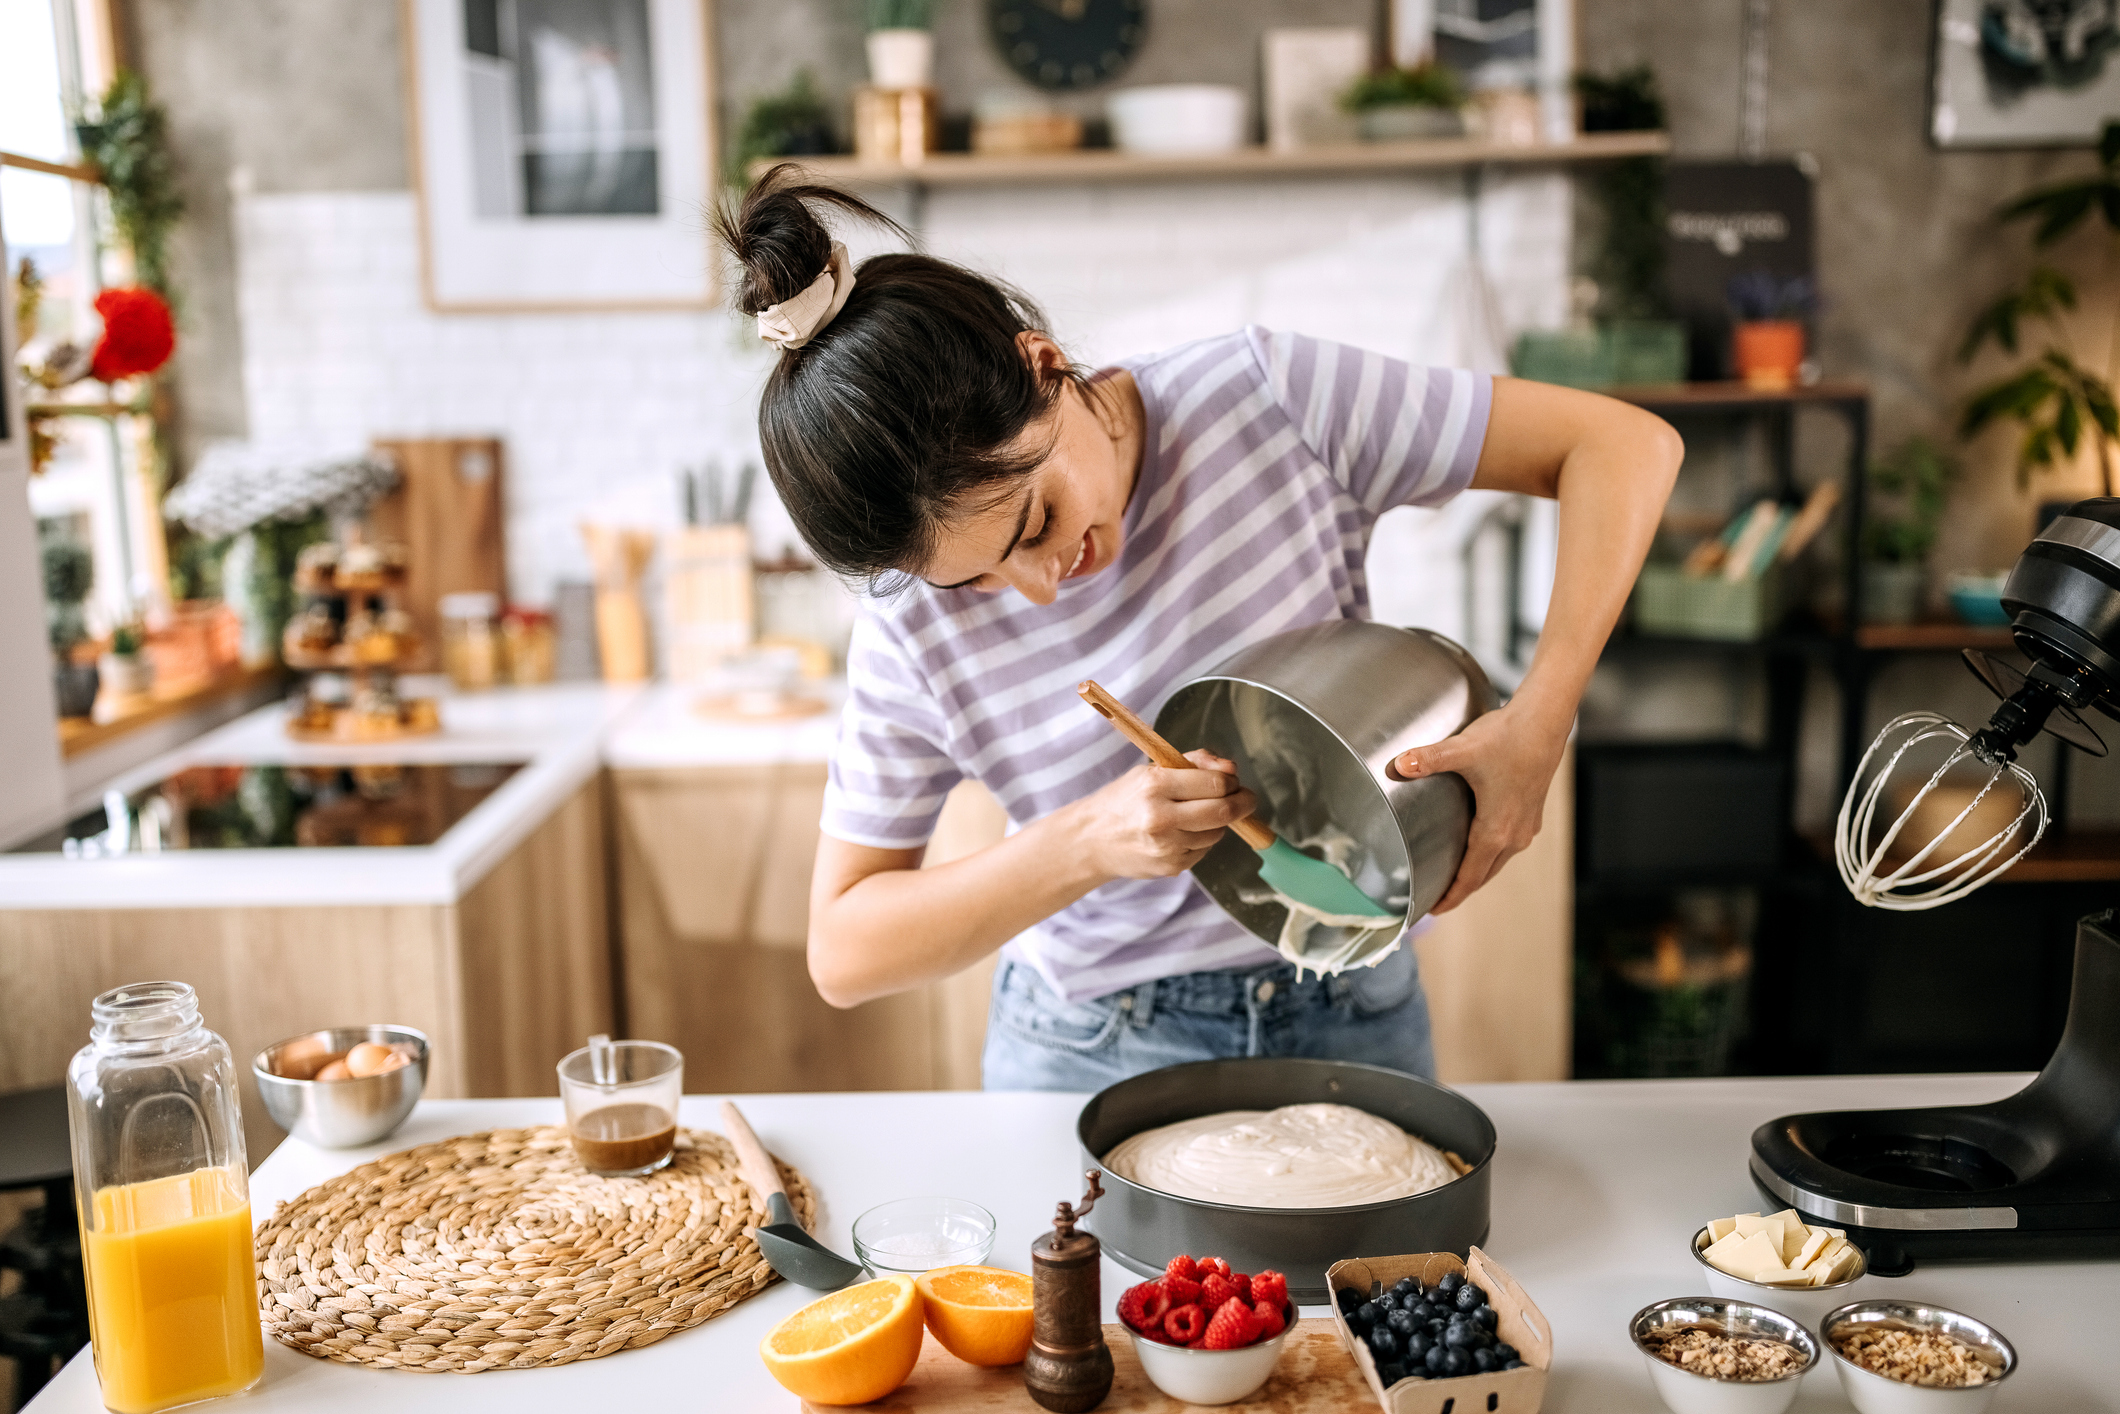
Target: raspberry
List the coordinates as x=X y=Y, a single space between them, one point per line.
x=1142 y=1306
x=1244 y=1288
x=1214 y=1290
x=1232 y=1326
x=1183 y=1291
x=1183 y=1266
x=1270 y=1322
x=1214 y=1264
x=1183 y=1324
x=1270 y=1288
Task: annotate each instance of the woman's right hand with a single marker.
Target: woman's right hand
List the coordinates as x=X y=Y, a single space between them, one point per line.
x=1156 y=821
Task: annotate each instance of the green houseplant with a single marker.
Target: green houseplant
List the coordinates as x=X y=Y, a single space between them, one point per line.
x=795 y=122
x=2063 y=399
x=1394 y=105
x=1911 y=486
x=69 y=575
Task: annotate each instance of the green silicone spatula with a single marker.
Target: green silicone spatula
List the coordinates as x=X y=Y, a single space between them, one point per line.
x=1284 y=867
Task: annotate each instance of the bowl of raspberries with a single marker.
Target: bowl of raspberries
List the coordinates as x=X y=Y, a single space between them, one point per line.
x=1205 y=1334
x=1417 y=1332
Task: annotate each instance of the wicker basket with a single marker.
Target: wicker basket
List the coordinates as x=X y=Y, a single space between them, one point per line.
x=1669 y=603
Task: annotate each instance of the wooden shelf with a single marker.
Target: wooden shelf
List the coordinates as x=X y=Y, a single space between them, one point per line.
x=1710 y=397
x=966 y=169
x=1933 y=636
x=82 y=734
x=75 y=171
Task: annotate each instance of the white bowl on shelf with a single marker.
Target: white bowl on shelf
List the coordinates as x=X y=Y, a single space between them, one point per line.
x=1174 y=119
x=1808 y=1304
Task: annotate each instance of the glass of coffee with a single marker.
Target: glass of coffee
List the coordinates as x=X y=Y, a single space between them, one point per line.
x=621 y=1099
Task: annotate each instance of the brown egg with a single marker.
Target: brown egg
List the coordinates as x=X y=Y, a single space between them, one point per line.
x=300 y=1059
x=369 y=1058
x=399 y=1059
x=335 y=1071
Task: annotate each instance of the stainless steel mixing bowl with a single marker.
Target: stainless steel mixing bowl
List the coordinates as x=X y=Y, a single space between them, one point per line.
x=1313 y=718
x=342 y=1114
x=1142 y=1229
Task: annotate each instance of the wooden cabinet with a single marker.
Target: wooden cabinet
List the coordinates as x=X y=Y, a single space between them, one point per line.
x=504 y=981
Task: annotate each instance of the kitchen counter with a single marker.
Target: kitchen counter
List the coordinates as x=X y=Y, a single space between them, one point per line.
x=1598 y=1187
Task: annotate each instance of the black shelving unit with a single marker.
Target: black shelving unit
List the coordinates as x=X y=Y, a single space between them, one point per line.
x=1821 y=995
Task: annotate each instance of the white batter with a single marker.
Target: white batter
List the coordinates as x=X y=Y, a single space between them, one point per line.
x=1298 y=1156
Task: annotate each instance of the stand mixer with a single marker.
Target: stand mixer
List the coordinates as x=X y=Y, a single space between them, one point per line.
x=2036 y=1175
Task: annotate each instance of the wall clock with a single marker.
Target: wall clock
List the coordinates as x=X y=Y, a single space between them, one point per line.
x=1068 y=44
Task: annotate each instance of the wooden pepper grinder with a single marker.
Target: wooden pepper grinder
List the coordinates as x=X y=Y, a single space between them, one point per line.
x=1069 y=1367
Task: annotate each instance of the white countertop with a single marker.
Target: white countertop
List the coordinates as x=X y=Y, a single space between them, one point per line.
x=1598 y=1186
x=562 y=734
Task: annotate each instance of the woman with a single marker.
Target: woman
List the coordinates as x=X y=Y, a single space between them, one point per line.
x=1027 y=525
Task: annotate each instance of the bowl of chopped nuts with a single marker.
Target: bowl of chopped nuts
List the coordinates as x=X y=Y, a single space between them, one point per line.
x=1711 y=1355
x=1900 y=1357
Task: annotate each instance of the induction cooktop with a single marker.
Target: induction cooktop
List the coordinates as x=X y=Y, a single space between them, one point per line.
x=281 y=807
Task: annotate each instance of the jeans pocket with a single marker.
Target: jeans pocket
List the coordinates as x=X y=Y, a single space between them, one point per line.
x=1373 y=991
x=1025 y=1008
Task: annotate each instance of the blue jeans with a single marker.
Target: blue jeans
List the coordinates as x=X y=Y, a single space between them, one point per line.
x=1036 y=1041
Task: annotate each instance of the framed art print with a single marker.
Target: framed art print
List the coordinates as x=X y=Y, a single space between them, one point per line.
x=2024 y=73
x=563 y=152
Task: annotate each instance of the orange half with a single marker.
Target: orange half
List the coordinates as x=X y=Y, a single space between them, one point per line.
x=982 y=1315
x=857 y=1344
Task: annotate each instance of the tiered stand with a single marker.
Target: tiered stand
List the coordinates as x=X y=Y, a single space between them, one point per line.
x=371 y=640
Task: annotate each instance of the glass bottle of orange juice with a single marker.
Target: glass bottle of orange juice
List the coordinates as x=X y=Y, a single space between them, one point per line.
x=164 y=1195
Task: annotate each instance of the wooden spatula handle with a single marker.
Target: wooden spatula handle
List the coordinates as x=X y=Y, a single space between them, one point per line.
x=1251 y=829
x=758 y=1170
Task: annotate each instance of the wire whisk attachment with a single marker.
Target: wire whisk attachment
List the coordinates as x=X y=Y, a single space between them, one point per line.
x=1879 y=869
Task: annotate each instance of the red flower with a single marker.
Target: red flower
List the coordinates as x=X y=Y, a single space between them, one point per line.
x=138 y=334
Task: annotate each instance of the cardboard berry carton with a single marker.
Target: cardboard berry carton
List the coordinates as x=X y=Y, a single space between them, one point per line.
x=1519 y=1323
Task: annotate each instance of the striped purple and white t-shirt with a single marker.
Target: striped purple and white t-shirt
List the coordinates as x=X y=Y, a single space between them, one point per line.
x=1266 y=460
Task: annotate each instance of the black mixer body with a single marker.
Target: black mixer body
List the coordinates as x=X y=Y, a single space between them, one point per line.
x=2033 y=1177
x=2063 y=599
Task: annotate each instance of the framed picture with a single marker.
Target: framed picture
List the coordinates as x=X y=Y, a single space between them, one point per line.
x=563 y=151
x=1524 y=45
x=2024 y=73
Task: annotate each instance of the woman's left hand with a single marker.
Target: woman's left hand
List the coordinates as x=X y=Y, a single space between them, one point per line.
x=1507 y=757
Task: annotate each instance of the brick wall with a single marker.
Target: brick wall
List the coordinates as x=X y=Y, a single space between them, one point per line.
x=599 y=410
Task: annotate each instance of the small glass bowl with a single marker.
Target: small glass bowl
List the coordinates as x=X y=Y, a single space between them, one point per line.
x=916 y=1235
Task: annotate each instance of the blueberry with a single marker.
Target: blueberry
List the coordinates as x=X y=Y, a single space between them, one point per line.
x=1417 y=1343
x=1458 y=1337
x=1407 y=1286
x=1434 y=1359
x=1487 y=1318
x=1436 y=1324
x=1483 y=1361
x=1402 y=1323
x=1457 y=1362
x=1366 y=1315
x=1451 y=1282
x=1391 y=1373
x=1384 y=1342
x=1347 y=1298
x=1469 y=1298
x=1388 y=1301
x=1424 y=1309
x=1512 y=1364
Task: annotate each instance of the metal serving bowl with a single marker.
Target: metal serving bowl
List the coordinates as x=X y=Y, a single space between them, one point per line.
x=1873 y=1393
x=1313 y=718
x=1142 y=1228
x=1688 y=1393
x=342 y=1114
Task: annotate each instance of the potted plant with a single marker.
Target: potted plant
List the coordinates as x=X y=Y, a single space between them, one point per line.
x=69 y=574
x=125 y=666
x=1912 y=484
x=901 y=48
x=1394 y=105
x=1767 y=345
x=795 y=122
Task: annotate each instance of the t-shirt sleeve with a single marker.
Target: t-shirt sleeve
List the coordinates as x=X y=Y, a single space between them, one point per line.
x=1391 y=432
x=889 y=772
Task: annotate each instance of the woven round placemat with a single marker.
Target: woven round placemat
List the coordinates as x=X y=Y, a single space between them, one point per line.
x=498 y=1251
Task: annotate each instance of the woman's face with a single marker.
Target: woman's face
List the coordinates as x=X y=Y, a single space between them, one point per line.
x=1062 y=520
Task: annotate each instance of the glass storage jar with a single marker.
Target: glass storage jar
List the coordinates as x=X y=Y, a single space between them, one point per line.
x=471 y=643
x=164 y=1195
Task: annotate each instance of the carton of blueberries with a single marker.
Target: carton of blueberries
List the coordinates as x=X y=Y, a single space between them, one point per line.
x=1433 y=1334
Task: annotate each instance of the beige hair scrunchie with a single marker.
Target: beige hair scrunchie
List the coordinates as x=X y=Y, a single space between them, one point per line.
x=793 y=323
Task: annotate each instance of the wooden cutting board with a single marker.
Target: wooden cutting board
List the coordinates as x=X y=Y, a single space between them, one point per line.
x=1314 y=1376
x=448 y=512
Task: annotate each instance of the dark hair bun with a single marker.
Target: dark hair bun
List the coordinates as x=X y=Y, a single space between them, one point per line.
x=777 y=237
